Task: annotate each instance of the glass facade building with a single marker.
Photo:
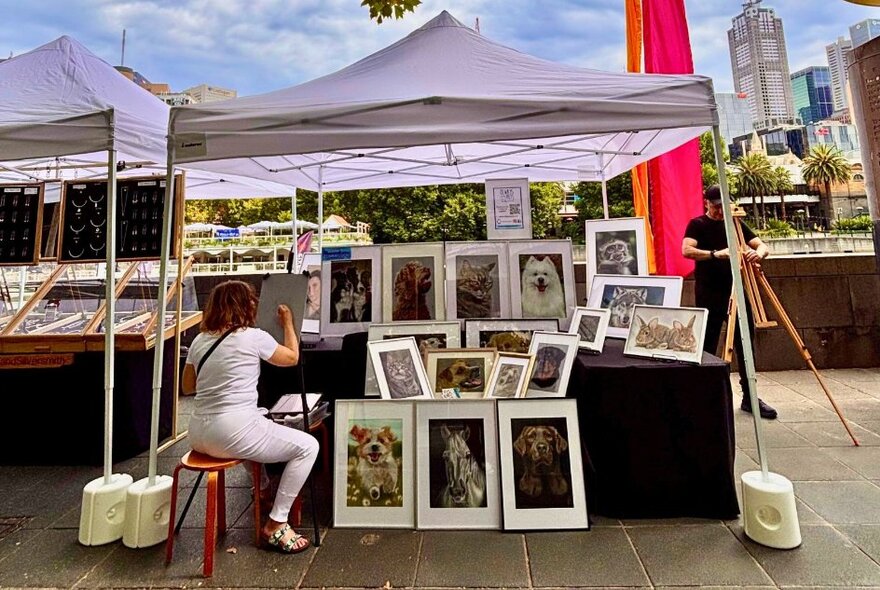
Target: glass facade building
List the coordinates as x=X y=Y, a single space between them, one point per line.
x=813 y=97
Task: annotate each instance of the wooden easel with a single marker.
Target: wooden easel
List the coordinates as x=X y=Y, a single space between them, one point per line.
x=753 y=278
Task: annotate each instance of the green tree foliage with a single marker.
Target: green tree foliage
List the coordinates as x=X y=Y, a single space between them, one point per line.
x=707 y=159
x=588 y=203
x=382 y=9
x=755 y=179
x=782 y=186
x=235 y=212
x=824 y=166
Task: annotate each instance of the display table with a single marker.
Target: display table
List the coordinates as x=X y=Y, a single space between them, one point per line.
x=658 y=435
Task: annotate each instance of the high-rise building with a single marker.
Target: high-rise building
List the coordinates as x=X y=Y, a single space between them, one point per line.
x=760 y=65
x=839 y=58
x=811 y=89
x=734 y=117
x=206 y=93
x=864 y=31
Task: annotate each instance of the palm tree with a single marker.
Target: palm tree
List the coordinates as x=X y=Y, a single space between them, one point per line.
x=755 y=179
x=824 y=166
x=782 y=185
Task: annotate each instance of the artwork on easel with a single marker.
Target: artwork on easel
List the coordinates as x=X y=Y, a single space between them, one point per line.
x=277 y=289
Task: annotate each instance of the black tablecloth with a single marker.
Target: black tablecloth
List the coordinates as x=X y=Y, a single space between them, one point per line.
x=659 y=435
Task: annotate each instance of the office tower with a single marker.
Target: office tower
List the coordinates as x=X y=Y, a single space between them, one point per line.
x=839 y=58
x=205 y=93
x=734 y=117
x=811 y=89
x=864 y=31
x=760 y=65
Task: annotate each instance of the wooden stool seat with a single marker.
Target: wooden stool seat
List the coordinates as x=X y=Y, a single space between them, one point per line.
x=196 y=461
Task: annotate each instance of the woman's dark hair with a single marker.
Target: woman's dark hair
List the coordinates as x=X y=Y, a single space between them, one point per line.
x=232 y=303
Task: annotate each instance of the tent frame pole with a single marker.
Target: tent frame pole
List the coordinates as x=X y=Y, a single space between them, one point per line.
x=293 y=215
x=110 y=313
x=321 y=208
x=604 y=185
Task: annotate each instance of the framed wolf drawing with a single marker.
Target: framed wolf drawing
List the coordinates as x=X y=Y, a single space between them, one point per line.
x=620 y=294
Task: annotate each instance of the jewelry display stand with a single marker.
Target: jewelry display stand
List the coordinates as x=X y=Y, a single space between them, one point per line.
x=21 y=223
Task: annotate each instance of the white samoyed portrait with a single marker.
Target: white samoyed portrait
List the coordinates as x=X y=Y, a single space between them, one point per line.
x=542 y=291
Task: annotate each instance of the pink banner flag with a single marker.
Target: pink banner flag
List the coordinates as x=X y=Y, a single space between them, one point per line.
x=676 y=177
x=304 y=242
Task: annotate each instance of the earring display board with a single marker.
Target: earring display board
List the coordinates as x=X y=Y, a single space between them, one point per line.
x=21 y=223
x=140 y=208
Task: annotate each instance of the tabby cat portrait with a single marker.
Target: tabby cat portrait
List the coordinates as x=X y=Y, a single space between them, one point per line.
x=400 y=373
x=476 y=287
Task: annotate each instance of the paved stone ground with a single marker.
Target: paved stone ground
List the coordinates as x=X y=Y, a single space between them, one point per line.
x=837 y=486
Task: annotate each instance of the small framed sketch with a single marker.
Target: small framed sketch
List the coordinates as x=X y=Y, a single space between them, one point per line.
x=508 y=209
x=311 y=264
x=510 y=376
x=476 y=280
x=505 y=335
x=464 y=369
x=399 y=370
x=554 y=356
x=427 y=335
x=542 y=280
x=619 y=294
x=457 y=457
x=616 y=247
x=590 y=325
x=412 y=275
x=375 y=462
x=542 y=478
x=675 y=333
x=350 y=282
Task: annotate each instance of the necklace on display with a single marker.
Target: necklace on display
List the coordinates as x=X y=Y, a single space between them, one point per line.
x=96 y=225
x=98 y=200
x=78 y=205
x=72 y=255
x=76 y=231
x=96 y=250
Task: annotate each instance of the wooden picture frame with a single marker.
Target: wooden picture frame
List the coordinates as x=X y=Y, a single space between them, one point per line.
x=351 y=284
x=413 y=278
x=460 y=438
x=670 y=333
x=476 y=280
x=464 y=369
x=510 y=375
x=591 y=326
x=554 y=357
x=506 y=335
x=533 y=497
x=375 y=488
x=542 y=281
x=400 y=373
x=619 y=294
x=21 y=223
x=616 y=247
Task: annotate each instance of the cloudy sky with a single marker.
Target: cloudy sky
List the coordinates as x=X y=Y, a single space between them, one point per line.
x=256 y=46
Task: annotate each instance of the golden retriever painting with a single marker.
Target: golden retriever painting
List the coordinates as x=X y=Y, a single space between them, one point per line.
x=541 y=463
x=413 y=289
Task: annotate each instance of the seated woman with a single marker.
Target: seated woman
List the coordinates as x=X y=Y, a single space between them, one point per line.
x=226 y=421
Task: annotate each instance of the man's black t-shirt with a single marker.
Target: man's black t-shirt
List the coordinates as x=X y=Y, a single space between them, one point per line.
x=713 y=277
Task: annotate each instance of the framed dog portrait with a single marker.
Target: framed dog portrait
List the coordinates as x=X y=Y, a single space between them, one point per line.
x=350 y=282
x=457 y=464
x=542 y=280
x=542 y=479
x=400 y=373
x=674 y=333
x=554 y=356
x=311 y=315
x=465 y=369
x=620 y=294
x=412 y=276
x=476 y=280
x=375 y=464
x=616 y=247
x=505 y=335
x=510 y=375
x=428 y=336
x=590 y=325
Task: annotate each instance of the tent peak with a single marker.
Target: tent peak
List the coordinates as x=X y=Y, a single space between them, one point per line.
x=444 y=19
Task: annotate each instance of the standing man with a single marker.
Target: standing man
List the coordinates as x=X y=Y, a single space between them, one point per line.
x=705 y=241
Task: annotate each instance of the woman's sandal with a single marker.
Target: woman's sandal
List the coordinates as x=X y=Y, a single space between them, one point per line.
x=275 y=541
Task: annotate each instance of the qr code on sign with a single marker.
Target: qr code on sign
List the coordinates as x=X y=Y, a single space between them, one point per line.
x=515 y=209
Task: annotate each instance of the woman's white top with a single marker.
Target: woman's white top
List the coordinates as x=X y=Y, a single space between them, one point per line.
x=228 y=379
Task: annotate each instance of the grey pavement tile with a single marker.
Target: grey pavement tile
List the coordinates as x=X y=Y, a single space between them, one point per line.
x=839 y=391
x=668 y=554
x=602 y=557
x=776 y=435
x=365 y=558
x=775 y=394
x=866 y=536
x=861 y=410
x=238 y=501
x=825 y=558
x=743 y=463
x=805 y=411
x=854 y=375
x=11 y=542
x=871 y=425
x=678 y=521
x=52 y=558
x=865 y=460
x=806 y=464
x=597 y=520
x=789 y=378
x=472 y=558
x=833 y=434
x=807 y=515
x=842 y=502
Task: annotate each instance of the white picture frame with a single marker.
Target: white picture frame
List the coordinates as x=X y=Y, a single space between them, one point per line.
x=351 y=284
x=465 y=369
x=560 y=501
x=368 y=493
x=619 y=294
x=404 y=353
x=506 y=335
x=470 y=266
x=670 y=333
x=431 y=335
x=554 y=354
x=508 y=209
x=542 y=281
x=413 y=280
x=311 y=314
x=616 y=247
x=510 y=375
x=470 y=425
x=590 y=325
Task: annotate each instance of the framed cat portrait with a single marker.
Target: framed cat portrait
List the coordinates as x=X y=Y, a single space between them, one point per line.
x=428 y=336
x=400 y=373
x=466 y=370
x=616 y=247
x=505 y=335
x=510 y=376
x=412 y=276
x=477 y=280
x=351 y=282
x=620 y=294
x=673 y=333
x=542 y=280
x=554 y=357
x=590 y=325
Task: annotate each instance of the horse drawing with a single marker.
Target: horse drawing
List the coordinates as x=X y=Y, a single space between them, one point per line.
x=465 y=479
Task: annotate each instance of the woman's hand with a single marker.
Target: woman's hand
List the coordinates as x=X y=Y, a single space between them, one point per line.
x=285 y=316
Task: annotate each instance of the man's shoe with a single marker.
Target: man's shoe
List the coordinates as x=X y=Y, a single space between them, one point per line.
x=767 y=412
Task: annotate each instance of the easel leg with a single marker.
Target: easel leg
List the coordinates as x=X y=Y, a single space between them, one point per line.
x=731 y=331
x=313 y=497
